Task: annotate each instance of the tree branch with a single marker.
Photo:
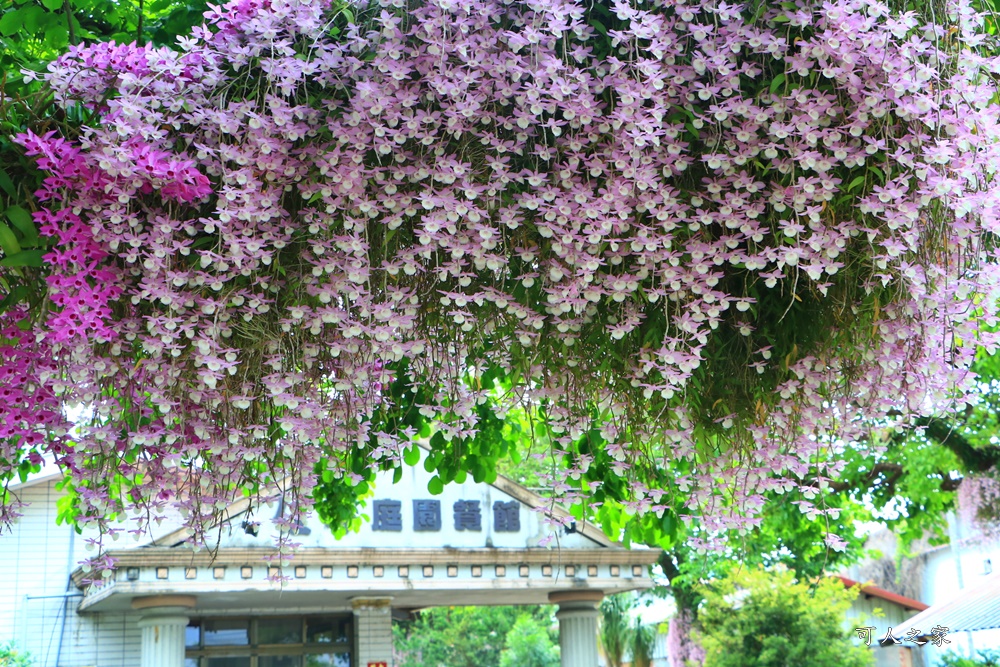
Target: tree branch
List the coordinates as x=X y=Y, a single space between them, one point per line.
x=947 y=434
x=890 y=474
x=893 y=472
x=69 y=22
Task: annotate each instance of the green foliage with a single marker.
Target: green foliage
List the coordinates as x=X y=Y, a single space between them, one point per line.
x=755 y=618
x=476 y=637
x=33 y=33
x=983 y=659
x=338 y=497
x=616 y=630
x=643 y=644
x=478 y=455
x=11 y=657
x=907 y=483
x=529 y=644
x=622 y=638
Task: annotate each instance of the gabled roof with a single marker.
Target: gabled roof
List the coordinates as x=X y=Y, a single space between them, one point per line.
x=419 y=549
x=503 y=484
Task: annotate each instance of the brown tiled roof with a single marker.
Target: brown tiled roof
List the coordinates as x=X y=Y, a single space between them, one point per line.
x=875 y=591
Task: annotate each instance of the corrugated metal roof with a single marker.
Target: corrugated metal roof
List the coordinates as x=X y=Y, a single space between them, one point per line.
x=975 y=608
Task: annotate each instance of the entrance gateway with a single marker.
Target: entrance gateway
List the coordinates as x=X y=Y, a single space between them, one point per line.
x=333 y=603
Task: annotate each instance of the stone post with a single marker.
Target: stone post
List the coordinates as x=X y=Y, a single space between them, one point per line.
x=162 y=620
x=577 y=626
x=373 y=630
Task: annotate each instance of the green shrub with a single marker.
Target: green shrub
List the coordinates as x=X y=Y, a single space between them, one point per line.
x=755 y=618
x=529 y=644
x=985 y=659
x=10 y=656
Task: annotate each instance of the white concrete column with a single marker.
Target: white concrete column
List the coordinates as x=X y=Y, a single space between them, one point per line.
x=577 y=626
x=163 y=619
x=373 y=630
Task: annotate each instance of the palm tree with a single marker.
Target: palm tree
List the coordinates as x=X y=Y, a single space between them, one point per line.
x=643 y=644
x=616 y=629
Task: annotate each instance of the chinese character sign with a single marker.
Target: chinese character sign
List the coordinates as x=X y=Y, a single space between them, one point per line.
x=387 y=515
x=426 y=515
x=936 y=636
x=889 y=639
x=468 y=515
x=865 y=634
x=506 y=516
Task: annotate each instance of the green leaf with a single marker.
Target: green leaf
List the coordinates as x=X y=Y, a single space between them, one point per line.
x=15 y=297
x=6 y=184
x=32 y=16
x=412 y=456
x=11 y=22
x=21 y=219
x=777 y=83
x=855 y=183
x=668 y=524
x=8 y=241
x=435 y=486
x=598 y=26
x=23 y=258
x=878 y=172
x=397 y=475
x=54 y=5
x=56 y=36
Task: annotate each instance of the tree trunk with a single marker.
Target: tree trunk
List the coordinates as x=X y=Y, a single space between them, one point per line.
x=682 y=649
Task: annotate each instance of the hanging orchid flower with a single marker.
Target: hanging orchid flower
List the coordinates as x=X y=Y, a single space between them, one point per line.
x=734 y=235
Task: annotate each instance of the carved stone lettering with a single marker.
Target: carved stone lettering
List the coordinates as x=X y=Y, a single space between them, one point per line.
x=387 y=515
x=468 y=515
x=426 y=515
x=506 y=516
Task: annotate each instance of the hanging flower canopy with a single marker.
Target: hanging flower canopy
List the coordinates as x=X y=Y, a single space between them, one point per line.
x=729 y=236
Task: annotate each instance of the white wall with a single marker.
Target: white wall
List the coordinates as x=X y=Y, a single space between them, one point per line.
x=36 y=558
x=534 y=529
x=941 y=584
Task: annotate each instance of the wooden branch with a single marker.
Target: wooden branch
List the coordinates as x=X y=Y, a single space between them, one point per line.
x=947 y=434
x=890 y=473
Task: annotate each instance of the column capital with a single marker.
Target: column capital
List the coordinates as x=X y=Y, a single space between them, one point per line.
x=367 y=603
x=156 y=601
x=576 y=598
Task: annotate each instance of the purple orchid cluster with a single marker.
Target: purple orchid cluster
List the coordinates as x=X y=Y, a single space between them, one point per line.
x=265 y=223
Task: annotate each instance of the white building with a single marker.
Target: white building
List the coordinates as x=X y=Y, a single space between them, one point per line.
x=953 y=571
x=168 y=605
x=936 y=576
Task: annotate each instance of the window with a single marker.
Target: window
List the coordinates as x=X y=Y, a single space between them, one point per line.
x=280 y=641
